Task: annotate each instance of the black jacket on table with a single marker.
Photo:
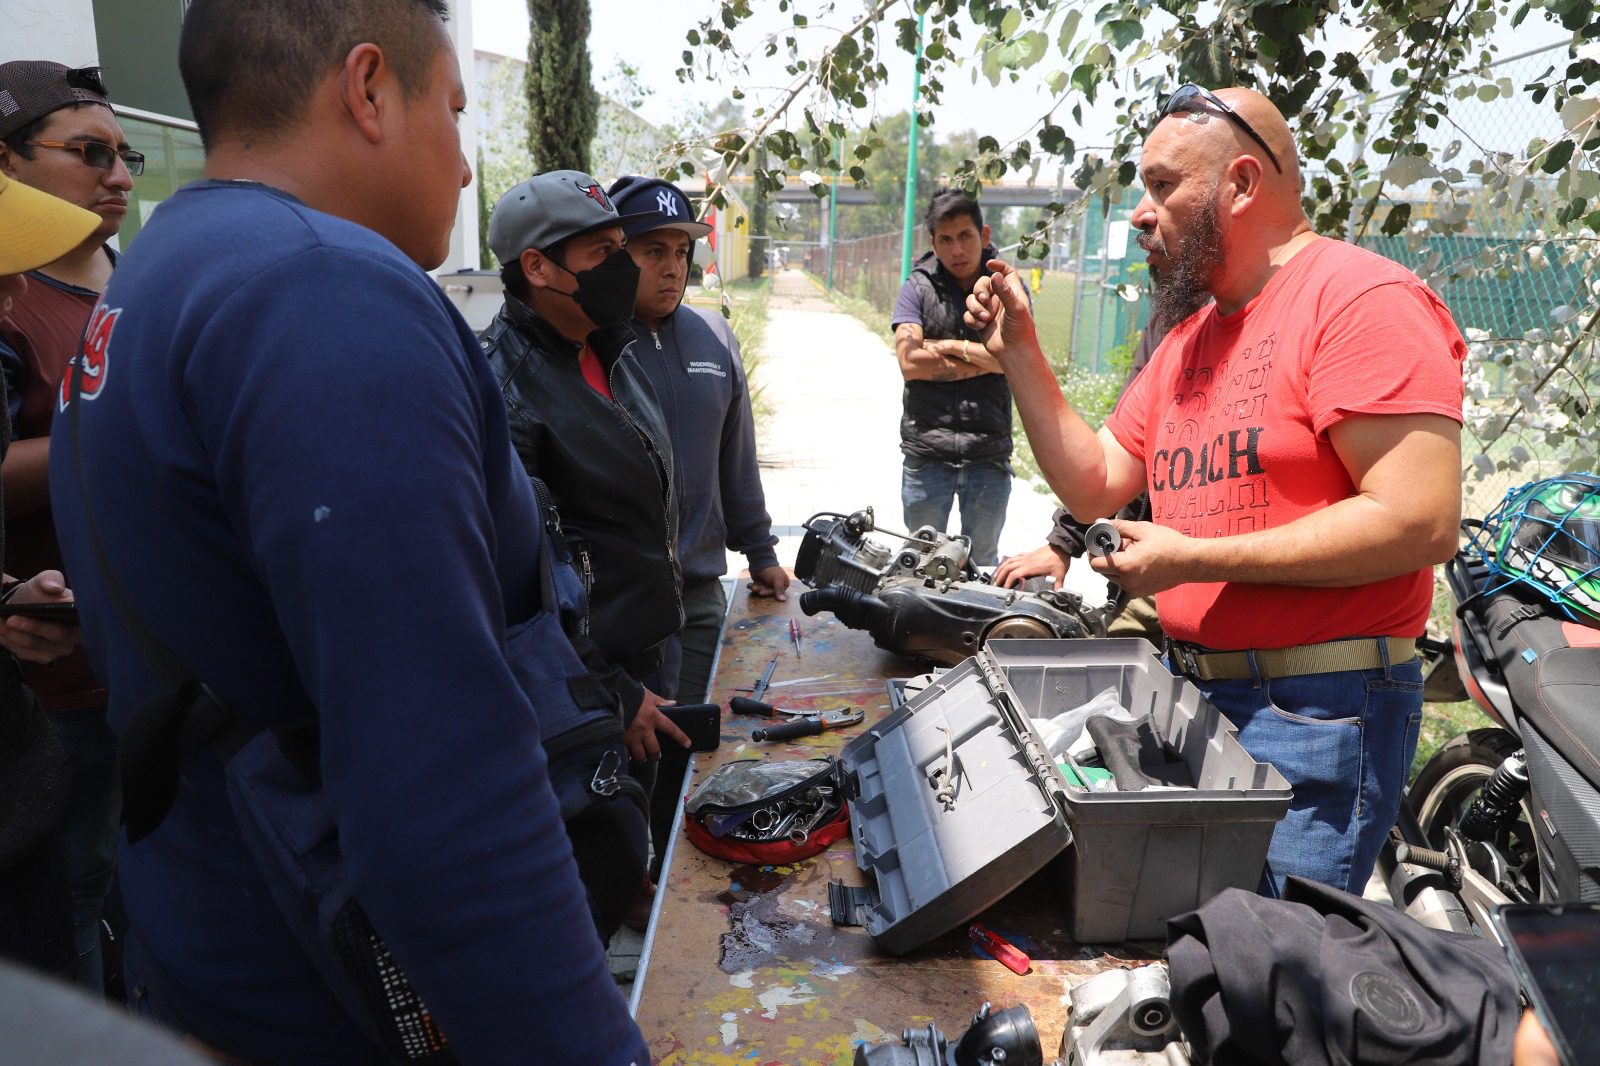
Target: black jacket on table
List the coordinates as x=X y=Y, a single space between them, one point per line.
x=608 y=466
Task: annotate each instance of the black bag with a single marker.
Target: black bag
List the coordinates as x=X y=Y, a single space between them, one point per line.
x=606 y=809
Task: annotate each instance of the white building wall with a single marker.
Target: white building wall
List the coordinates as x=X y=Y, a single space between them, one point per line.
x=464 y=238
x=59 y=30
x=63 y=31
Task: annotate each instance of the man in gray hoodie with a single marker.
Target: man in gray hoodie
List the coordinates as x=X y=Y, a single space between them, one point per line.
x=692 y=360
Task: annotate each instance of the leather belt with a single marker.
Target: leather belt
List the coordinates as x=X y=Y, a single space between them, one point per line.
x=1327 y=658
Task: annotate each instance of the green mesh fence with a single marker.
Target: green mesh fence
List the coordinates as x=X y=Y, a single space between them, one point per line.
x=1089 y=295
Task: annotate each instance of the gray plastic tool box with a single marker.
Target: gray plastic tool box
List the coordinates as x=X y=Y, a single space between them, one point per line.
x=955 y=801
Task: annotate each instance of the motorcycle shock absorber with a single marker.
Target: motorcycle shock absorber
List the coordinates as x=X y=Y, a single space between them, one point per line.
x=1497 y=803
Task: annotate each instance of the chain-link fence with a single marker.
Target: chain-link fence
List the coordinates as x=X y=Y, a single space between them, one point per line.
x=1089 y=295
x=867 y=268
x=1490 y=122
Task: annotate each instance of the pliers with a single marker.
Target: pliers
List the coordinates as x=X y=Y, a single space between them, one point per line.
x=808 y=723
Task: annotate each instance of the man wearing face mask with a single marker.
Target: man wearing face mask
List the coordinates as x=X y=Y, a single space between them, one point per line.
x=585 y=421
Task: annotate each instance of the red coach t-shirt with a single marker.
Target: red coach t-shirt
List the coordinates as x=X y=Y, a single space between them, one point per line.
x=1231 y=422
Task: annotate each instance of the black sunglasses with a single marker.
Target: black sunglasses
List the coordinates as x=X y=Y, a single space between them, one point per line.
x=1193 y=97
x=97 y=154
x=87 y=78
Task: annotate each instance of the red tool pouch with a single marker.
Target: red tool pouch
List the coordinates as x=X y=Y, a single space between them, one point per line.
x=768 y=813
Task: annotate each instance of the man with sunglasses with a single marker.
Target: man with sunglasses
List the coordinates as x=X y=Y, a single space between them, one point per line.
x=58 y=134
x=1299 y=439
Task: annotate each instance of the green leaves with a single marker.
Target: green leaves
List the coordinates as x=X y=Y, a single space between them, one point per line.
x=1399 y=217
x=1054 y=139
x=1559 y=155
x=1385 y=132
x=1069 y=29
x=1579 y=111
x=1123 y=32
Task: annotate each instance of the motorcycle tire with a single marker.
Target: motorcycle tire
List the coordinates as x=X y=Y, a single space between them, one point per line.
x=1446 y=786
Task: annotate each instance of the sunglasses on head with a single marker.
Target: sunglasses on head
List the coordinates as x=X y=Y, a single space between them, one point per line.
x=87 y=78
x=97 y=154
x=1193 y=97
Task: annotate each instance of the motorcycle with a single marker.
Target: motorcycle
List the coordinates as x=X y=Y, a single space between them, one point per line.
x=1511 y=814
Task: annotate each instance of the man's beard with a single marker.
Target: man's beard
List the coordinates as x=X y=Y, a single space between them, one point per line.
x=1184 y=286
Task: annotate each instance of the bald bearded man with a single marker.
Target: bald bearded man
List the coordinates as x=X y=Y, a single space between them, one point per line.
x=1299 y=438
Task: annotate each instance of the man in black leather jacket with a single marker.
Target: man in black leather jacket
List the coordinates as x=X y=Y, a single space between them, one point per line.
x=585 y=421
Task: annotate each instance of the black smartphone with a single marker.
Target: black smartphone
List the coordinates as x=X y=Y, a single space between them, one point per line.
x=701 y=721
x=1554 y=949
x=65 y=613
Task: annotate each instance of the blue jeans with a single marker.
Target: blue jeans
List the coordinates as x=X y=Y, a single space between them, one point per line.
x=927 y=488
x=89 y=830
x=1344 y=741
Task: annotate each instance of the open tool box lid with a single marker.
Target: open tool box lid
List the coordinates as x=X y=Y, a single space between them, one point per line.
x=1138 y=858
x=954 y=802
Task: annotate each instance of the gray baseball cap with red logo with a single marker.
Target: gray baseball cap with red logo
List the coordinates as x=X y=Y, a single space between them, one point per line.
x=547 y=209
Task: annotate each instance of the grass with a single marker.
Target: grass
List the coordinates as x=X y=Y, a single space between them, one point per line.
x=1052 y=314
x=1443 y=721
x=865 y=312
x=1440 y=723
x=744 y=303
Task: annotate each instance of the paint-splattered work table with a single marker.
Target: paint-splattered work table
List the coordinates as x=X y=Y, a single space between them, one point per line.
x=743 y=964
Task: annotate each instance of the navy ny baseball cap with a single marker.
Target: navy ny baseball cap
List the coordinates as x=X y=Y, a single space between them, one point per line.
x=654 y=203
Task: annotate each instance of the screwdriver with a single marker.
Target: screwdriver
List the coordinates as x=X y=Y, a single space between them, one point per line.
x=1002 y=951
x=794 y=635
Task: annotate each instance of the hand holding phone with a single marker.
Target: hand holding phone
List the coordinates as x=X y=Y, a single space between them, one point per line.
x=65 y=612
x=701 y=721
x=1554 y=948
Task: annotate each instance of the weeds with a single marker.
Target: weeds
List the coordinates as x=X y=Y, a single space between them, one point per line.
x=746 y=309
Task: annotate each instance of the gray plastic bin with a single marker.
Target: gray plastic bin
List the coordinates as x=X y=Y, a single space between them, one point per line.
x=1138 y=858
x=940 y=857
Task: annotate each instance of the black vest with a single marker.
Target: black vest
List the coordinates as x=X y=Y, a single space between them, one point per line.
x=952 y=421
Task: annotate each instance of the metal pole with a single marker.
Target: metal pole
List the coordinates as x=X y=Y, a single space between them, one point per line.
x=911 y=163
x=833 y=208
x=1100 y=294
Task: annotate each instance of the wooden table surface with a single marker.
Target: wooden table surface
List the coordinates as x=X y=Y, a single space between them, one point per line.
x=743 y=964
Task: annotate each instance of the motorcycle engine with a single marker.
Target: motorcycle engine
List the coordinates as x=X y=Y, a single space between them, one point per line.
x=923 y=599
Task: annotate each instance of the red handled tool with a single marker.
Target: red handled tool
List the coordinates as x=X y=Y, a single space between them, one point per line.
x=808 y=724
x=1003 y=952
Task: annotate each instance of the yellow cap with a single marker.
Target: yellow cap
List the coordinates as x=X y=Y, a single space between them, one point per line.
x=37 y=228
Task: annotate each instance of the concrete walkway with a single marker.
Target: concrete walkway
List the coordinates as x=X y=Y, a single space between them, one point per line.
x=831 y=441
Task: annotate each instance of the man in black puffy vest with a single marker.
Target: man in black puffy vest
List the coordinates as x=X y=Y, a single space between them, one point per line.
x=956 y=428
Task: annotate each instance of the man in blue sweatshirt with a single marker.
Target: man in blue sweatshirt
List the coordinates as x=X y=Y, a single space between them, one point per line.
x=692 y=360
x=299 y=467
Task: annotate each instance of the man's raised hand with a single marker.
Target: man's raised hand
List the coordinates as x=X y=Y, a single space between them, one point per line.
x=998 y=309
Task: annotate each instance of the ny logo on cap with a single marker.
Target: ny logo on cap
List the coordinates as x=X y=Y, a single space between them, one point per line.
x=666 y=204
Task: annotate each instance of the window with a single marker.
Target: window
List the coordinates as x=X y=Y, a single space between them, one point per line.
x=172 y=157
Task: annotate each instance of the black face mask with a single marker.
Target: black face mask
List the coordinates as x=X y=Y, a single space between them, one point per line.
x=605 y=292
